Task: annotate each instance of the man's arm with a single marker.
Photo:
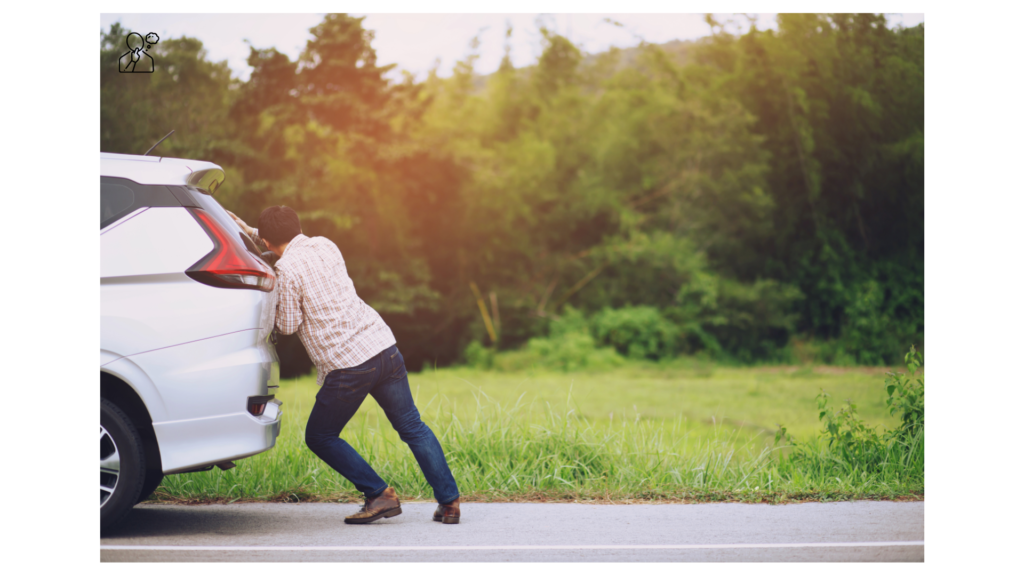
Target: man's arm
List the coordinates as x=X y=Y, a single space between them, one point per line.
x=289 y=303
x=253 y=233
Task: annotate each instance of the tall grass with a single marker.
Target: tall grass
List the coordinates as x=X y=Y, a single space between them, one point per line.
x=521 y=450
x=893 y=469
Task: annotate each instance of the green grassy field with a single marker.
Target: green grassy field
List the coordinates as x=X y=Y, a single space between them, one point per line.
x=748 y=401
x=680 y=430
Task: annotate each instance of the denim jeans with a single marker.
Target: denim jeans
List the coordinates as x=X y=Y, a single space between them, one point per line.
x=383 y=377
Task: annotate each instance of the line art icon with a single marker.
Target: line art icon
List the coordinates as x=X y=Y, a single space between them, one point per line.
x=138 y=58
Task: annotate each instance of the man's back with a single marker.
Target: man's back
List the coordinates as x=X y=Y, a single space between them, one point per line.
x=318 y=299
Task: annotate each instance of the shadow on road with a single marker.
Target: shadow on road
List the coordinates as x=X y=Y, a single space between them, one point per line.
x=220 y=522
x=145 y=521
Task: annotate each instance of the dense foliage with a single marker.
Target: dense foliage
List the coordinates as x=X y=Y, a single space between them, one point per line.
x=745 y=196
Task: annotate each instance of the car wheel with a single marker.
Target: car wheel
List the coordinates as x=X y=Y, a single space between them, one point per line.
x=122 y=464
x=153 y=479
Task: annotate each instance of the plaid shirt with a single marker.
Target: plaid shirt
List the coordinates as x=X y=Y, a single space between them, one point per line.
x=317 y=298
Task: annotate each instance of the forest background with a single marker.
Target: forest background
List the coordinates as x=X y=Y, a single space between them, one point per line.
x=754 y=198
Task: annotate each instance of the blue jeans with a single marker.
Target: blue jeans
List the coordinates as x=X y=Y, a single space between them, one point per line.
x=383 y=377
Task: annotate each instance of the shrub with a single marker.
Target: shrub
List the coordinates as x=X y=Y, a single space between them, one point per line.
x=637 y=332
x=852 y=445
x=479 y=356
x=747 y=322
x=869 y=329
x=906 y=398
x=568 y=352
x=569 y=347
x=847 y=435
x=879 y=315
x=571 y=321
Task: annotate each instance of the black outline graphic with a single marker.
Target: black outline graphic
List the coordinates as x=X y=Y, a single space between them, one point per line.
x=137 y=54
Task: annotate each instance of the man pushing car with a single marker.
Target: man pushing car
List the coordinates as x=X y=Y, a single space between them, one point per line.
x=355 y=354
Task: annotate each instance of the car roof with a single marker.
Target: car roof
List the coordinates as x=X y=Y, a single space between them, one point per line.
x=161 y=170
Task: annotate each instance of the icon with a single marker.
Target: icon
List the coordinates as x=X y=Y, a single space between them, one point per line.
x=137 y=59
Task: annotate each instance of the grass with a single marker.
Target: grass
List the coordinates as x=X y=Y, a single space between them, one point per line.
x=678 y=431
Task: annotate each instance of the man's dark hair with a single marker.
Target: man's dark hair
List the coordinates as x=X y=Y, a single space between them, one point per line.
x=278 y=225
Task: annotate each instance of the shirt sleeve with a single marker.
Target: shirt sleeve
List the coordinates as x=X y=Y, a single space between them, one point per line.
x=289 y=303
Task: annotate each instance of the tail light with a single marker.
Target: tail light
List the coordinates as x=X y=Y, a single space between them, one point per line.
x=228 y=265
x=257 y=404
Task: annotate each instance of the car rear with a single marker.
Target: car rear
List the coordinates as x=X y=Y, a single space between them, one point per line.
x=187 y=312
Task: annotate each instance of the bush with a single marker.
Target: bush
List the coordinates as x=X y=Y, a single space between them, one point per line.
x=848 y=436
x=479 y=356
x=906 y=399
x=729 y=319
x=852 y=445
x=872 y=331
x=571 y=321
x=569 y=352
x=636 y=332
x=570 y=347
x=883 y=311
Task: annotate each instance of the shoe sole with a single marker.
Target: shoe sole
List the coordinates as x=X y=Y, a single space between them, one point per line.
x=446 y=520
x=385 y=514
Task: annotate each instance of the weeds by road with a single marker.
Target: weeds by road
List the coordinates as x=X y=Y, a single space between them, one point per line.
x=674 y=433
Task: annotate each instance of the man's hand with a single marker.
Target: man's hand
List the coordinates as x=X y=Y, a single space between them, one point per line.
x=241 y=223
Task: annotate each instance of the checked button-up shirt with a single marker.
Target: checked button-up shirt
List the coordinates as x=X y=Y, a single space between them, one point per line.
x=316 y=297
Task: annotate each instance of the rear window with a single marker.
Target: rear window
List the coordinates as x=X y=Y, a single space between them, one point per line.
x=120 y=197
x=114 y=199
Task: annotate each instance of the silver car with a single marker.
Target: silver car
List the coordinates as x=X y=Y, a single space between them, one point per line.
x=188 y=371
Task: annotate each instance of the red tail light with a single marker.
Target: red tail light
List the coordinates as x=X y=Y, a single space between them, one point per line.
x=228 y=265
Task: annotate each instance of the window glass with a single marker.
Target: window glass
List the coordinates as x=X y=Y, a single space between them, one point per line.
x=120 y=197
x=114 y=199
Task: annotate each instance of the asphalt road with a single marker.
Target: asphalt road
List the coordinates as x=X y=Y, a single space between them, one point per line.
x=815 y=532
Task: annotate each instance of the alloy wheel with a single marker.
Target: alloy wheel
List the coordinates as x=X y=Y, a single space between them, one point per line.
x=110 y=466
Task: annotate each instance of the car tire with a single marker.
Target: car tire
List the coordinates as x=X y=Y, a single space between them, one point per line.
x=153 y=479
x=122 y=464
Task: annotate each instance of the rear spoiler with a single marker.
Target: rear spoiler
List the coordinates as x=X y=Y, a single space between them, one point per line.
x=208 y=179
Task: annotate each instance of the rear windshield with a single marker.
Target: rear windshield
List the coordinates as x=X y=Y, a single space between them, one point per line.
x=120 y=197
x=214 y=208
x=114 y=199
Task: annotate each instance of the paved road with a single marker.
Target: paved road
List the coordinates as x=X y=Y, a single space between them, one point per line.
x=844 y=531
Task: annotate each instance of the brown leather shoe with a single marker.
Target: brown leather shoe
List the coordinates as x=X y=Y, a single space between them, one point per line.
x=447 y=513
x=384 y=506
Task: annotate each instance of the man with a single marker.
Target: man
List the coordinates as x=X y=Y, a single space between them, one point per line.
x=355 y=355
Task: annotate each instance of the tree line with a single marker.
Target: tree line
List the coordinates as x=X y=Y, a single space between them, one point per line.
x=760 y=193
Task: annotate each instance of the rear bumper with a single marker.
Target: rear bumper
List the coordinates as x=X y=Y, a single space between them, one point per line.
x=186 y=444
x=196 y=394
